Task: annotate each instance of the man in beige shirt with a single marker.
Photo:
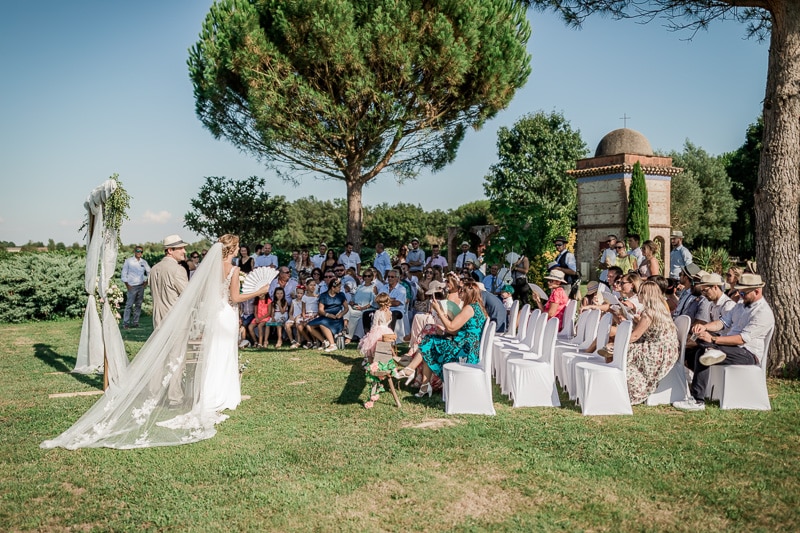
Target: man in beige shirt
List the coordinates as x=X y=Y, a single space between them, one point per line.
x=168 y=279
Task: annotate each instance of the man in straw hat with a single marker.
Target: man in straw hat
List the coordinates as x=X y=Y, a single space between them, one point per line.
x=741 y=343
x=712 y=287
x=168 y=279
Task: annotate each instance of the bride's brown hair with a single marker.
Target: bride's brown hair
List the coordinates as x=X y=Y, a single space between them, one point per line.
x=230 y=244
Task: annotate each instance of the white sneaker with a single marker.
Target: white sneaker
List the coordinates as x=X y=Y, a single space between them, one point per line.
x=689 y=405
x=712 y=357
x=331 y=348
x=244 y=344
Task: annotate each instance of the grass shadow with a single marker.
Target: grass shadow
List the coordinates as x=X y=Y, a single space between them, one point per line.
x=65 y=363
x=356 y=380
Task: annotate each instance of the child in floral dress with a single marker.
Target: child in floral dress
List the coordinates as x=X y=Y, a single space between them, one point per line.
x=380 y=327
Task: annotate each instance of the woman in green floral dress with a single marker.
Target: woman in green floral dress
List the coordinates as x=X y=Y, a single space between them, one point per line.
x=463 y=339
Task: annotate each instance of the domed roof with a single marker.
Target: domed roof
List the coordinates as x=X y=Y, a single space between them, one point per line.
x=623 y=141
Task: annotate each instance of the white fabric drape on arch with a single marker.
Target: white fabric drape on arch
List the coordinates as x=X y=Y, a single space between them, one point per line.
x=100 y=338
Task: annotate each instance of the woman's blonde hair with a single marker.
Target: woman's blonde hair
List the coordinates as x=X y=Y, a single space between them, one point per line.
x=651 y=297
x=230 y=245
x=383 y=300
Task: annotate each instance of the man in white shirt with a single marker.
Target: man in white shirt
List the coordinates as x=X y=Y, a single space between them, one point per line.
x=349 y=258
x=608 y=258
x=382 y=263
x=634 y=248
x=134 y=275
x=744 y=342
x=267 y=258
x=679 y=257
x=461 y=260
x=318 y=259
x=711 y=286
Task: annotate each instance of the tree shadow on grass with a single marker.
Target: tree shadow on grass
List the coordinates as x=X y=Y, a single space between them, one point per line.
x=65 y=363
x=356 y=380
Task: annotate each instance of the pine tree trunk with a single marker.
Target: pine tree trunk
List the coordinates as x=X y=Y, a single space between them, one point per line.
x=355 y=220
x=777 y=195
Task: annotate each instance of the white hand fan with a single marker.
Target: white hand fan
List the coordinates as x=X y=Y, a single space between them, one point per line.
x=512 y=257
x=257 y=278
x=537 y=290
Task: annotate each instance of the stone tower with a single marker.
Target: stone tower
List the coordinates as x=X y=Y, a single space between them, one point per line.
x=603 y=182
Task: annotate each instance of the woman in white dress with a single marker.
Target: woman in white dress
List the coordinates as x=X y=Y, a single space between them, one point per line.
x=198 y=339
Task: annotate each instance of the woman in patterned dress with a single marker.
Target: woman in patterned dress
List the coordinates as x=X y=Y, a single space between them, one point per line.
x=654 y=346
x=437 y=350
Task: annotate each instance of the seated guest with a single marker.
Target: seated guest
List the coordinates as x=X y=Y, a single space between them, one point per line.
x=667 y=287
x=557 y=302
x=732 y=279
x=506 y=295
x=397 y=294
x=495 y=310
x=330 y=322
x=692 y=303
x=380 y=327
x=473 y=271
x=316 y=275
x=491 y=281
x=436 y=350
x=362 y=300
x=421 y=300
x=653 y=348
x=592 y=296
x=744 y=341
x=710 y=286
x=629 y=292
x=310 y=310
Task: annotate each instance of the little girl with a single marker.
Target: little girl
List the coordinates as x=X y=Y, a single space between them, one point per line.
x=296 y=316
x=380 y=327
x=263 y=316
x=279 y=310
x=310 y=310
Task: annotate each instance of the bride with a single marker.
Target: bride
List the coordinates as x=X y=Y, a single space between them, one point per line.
x=198 y=339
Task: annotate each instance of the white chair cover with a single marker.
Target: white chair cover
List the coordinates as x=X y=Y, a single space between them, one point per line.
x=468 y=388
x=533 y=346
x=568 y=322
x=741 y=386
x=532 y=381
x=587 y=331
x=674 y=387
x=513 y=320
x=568 y=360
x=522 y=337
x=603 y=388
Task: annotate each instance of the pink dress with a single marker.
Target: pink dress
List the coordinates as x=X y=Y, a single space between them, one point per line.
x=380 y=327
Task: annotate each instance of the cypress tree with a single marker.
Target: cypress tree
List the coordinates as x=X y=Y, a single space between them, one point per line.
x=638 y=217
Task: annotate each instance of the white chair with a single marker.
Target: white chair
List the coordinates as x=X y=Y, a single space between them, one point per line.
x=587 y=332
x=467 y=389
x=513 y=320
x=741 y=386
x=673 y=387
x=603 y=388
x=524 y=331
x=532 y=382
x=568 y=360
x=531 y=346
x=568 y=322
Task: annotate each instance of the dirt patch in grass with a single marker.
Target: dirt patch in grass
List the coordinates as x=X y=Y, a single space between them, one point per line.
x=434 y=423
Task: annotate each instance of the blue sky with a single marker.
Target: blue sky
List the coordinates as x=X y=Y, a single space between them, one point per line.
x=92 y=88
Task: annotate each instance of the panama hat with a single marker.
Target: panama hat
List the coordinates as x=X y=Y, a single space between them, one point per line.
x=677 y=234
x=556 y=275
x=592 y=287
x=174 y=241
x=749 y=281
x=711 y=279
x=436 y=286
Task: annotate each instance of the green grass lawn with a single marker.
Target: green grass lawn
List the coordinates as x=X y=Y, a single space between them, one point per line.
x=303 y=454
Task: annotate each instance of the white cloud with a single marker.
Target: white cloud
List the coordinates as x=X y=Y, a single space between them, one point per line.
x=162 y=217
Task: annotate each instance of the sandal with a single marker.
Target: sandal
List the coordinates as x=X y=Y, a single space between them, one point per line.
x=406 y=373
x=425 y=390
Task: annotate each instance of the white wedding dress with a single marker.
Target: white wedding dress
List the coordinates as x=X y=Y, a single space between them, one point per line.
x=184 y=375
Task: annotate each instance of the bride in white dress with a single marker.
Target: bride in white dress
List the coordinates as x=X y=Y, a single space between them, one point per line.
x=199 y=339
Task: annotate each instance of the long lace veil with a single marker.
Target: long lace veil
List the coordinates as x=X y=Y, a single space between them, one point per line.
x=141 y=411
